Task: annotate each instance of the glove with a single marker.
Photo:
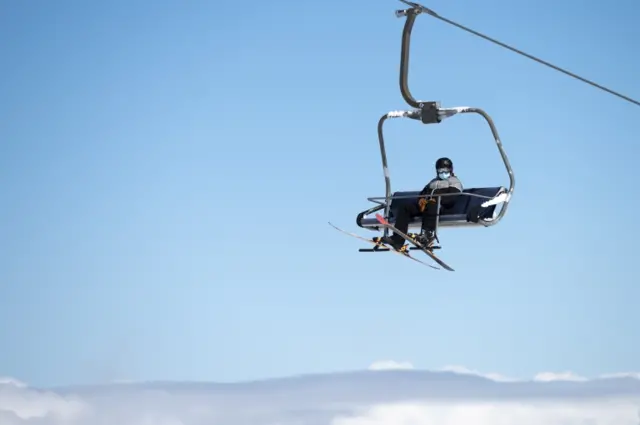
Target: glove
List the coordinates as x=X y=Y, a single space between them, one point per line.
x=422 y=203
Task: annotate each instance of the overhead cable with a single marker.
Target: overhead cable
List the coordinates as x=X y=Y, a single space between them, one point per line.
x=520 y=52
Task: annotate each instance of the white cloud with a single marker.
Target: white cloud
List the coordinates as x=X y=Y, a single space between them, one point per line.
x=390 y=365
x=504 y=413
x=465 y=371
x=10 y=381
x=19 y=404
x=396 y=397
x=562 y=376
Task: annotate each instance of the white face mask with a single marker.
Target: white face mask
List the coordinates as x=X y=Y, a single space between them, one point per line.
x=444 y=174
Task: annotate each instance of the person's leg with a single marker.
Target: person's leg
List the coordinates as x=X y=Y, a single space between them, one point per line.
x=449 y=201
x=403 y=218
x=430 y=213
x=429 y=216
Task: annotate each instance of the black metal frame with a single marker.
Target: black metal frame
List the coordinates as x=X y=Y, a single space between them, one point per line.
x=429 y=112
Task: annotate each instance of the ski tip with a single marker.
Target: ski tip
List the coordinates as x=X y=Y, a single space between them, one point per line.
x=381 y=219
x=333 y=225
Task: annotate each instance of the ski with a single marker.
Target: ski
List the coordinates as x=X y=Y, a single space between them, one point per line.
x=379 y=246
x=412 y=241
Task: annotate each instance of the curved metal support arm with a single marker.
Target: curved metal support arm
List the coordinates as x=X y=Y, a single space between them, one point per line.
x=405 y=48
x=411 y=15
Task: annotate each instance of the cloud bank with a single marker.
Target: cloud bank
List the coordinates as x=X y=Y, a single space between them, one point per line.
x=390 y=393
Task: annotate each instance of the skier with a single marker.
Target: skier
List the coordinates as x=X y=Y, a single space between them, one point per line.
x=445 y=182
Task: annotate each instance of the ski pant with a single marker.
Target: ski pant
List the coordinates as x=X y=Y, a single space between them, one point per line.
x=429 y=215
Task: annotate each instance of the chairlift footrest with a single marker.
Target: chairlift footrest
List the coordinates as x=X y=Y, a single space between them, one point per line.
x=411 y=248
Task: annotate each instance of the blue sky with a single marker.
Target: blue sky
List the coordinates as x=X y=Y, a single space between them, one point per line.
x=162 y=166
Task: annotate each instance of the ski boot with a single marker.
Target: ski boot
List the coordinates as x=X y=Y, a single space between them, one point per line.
x=427 y=239
x=388 y=240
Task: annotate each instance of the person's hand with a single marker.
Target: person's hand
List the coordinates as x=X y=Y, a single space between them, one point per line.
x=422 y=203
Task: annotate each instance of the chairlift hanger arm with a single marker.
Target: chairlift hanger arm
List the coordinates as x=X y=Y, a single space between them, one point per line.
x=428 y=112
x=411 y=15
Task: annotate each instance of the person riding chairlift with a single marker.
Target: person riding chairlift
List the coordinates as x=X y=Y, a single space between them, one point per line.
x=445 y=182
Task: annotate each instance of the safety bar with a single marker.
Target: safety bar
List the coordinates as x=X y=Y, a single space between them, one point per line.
x=379 y=199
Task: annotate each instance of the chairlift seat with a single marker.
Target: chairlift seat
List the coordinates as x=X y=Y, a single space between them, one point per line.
x=466 y=211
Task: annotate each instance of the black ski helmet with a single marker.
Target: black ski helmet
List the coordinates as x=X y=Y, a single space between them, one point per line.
x=444 y=163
